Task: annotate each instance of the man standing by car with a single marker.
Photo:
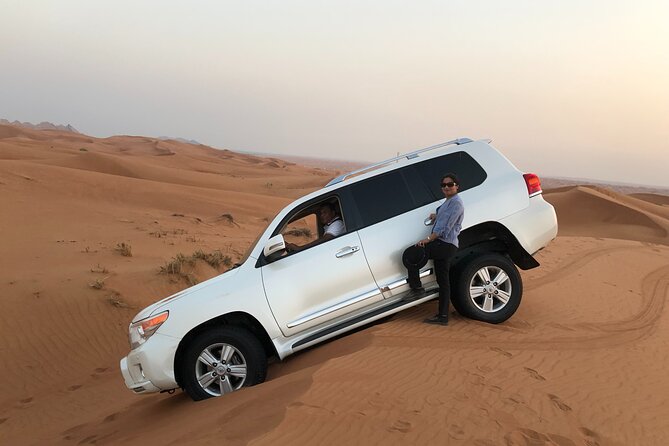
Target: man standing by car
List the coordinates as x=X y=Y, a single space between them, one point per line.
x=441 y=246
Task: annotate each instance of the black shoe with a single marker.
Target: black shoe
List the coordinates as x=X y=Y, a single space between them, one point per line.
x=414 y=293
x=437 y=320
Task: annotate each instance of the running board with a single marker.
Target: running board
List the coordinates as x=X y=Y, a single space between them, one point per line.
x=363 y=317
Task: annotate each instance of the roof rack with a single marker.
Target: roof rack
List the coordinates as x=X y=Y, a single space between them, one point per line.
x=408 y=156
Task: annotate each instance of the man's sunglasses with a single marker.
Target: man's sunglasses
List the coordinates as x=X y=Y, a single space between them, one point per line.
x=449 y=184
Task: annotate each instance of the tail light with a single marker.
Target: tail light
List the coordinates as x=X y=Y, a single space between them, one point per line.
x=533 y=184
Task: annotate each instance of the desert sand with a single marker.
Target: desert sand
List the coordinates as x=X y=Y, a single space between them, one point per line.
x=86 y=225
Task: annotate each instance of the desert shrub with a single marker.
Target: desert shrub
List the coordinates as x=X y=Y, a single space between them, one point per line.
x=215 y=259
x=228 y=218
x=175 y=266
x=99 y=269
x=115 y=299
x=124 y=249
x=98 y=284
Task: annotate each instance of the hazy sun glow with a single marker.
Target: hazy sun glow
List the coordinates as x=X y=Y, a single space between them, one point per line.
x=571 y=88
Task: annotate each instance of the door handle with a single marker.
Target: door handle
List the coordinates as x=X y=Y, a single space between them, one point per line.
x=347 y=251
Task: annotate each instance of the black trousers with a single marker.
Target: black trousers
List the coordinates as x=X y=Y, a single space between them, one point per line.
x=442 y=253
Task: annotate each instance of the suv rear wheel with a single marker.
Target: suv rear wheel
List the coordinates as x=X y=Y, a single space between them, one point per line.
x=222 y=360
x=488 y=288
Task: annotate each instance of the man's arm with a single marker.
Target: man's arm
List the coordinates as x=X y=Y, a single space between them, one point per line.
x=327 y=236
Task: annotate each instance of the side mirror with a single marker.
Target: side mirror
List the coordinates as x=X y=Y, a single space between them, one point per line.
x=273 y=245
x=428 y=221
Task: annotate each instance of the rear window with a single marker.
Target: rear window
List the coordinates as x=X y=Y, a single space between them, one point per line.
x=388 y=195
x=469 y=172
x=393 y=193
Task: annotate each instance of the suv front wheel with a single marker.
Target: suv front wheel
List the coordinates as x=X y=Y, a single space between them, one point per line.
x=222 y=360
x=488 y=288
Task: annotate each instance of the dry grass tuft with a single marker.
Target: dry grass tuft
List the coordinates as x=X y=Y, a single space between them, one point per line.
x=228 y=218
x=115 y=299
x=99 y=269
x=124 y=249
x=98 y=284
x=179 y=264
x=215 y=259
x=175 y=266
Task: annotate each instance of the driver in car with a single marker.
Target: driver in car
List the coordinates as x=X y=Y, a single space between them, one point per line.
x=333 y=226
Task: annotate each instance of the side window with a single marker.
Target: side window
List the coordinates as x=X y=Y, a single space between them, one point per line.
x=388 y=195
x=301 y=231
x=310 y=225
x=469 y=172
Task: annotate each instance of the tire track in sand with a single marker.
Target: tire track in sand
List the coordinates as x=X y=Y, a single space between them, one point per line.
x=569 y=266
x=584 y=335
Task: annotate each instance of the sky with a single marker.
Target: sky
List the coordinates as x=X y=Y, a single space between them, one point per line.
x=570 y=89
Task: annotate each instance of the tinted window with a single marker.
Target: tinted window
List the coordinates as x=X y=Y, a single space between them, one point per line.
x=469 y=172
x=388 y=195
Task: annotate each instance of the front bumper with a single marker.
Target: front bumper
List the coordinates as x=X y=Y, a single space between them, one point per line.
x=150 y=367
x=135 y=379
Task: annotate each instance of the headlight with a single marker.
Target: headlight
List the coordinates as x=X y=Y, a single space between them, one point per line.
x=141 y=331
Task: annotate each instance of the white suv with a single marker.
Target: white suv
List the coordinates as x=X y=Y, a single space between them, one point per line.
x=217 y=336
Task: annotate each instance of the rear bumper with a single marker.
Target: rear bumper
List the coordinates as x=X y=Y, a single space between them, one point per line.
x=150 y=367
x=534 y=226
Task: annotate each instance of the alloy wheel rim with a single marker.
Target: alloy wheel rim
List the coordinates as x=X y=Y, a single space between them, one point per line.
x=490 y=289
x=220 y=368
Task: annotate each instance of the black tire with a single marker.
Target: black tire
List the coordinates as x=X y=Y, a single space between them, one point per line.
x=498 y=301
x=240 y=348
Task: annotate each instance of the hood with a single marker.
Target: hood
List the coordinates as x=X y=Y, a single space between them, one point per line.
x=161 y=304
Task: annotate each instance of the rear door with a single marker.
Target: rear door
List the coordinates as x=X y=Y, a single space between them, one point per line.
x=392 y=208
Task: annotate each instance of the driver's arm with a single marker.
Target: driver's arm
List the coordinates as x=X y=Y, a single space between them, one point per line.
x=293 y=247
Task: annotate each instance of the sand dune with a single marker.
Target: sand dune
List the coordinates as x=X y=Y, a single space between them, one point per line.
x=591 y=211
x=581 y=363
x=662 y=200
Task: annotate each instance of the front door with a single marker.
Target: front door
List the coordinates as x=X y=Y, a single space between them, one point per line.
x=320 y=284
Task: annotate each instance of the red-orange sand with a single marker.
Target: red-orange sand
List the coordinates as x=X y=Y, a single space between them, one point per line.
x=583 y=361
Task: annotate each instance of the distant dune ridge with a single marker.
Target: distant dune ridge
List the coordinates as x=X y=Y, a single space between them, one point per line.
x=94 y=229
x=622 y=188
x=188 y=141
x=41 y=126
